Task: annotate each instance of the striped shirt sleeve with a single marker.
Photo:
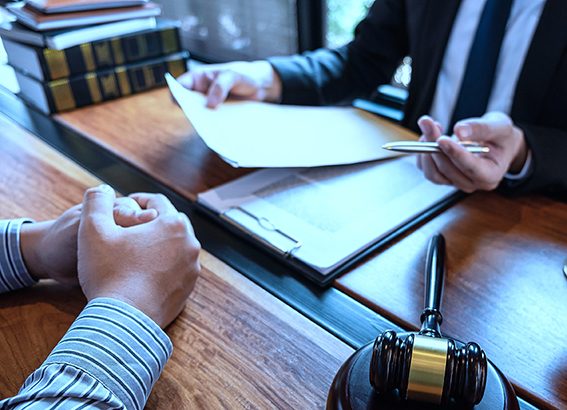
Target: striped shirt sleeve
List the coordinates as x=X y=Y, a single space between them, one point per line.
x=13 y=272
x=109 y=359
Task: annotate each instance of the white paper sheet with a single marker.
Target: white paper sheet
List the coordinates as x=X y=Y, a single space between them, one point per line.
x=261 y=135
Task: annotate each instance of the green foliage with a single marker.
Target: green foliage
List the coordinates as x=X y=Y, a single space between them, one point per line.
x=342 y=18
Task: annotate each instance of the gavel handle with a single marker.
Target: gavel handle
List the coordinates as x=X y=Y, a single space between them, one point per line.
x=434 y=277
x=435 y=272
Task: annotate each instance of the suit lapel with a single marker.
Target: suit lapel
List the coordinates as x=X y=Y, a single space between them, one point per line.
x=545 y=52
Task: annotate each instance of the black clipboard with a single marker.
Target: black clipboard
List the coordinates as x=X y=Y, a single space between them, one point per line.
x=324 y=280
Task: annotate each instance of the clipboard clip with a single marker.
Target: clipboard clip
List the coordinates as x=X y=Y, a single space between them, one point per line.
x=266 y=224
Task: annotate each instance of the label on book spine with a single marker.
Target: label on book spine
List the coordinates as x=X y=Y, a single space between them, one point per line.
x=56 y=62
x=104 y=54
x=95 y=87
x=61 y=95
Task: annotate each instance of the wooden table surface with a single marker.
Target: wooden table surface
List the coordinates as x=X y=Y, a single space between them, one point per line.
x=505 y=288
x=235 y=344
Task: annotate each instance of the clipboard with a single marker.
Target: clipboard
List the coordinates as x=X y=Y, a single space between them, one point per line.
x=235 y=206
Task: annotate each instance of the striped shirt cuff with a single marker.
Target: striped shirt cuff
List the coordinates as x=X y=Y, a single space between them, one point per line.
x=13 y=272
x=119 y=346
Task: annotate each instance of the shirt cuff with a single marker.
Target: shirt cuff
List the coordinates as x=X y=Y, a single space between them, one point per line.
x=119 y=346
x=524 y=172
x=13 y=272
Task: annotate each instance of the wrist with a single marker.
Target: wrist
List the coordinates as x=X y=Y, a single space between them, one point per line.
x=125 y=295
x=272 y=84
x=521 y=156
x=31 y=236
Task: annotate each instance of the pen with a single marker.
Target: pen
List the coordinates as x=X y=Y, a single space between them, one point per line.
x=418 y=147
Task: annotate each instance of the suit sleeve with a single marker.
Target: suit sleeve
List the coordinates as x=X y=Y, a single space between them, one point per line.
x=338 y=76
x=549 y=168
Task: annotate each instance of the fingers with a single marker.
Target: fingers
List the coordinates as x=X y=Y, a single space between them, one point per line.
x=199 y=79
x=430 y=129
x=446 y=165
x=220 y=88
x=431 y=171
x=127 y=213
x=98 y=204
x=481 y=173
x=158 y=202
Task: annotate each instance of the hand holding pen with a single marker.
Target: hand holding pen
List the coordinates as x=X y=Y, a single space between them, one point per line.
x=426 y=147
x=456 y=165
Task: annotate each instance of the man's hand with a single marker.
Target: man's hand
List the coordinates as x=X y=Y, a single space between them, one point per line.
x=255 y=81
x=49 y=248
x=153 y=266
x=470 y=172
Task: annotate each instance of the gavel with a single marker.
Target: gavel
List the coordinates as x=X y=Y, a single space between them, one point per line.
x=425 y=366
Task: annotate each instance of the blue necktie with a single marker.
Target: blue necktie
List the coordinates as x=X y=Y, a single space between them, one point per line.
x=483 y=58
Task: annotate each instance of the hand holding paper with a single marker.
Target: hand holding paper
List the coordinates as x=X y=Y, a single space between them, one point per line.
x=261 y=135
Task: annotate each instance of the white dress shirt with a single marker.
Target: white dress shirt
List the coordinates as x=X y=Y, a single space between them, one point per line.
x=524 y=17
x=520 y=29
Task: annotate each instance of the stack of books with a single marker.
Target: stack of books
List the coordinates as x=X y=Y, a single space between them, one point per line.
x=73 y=53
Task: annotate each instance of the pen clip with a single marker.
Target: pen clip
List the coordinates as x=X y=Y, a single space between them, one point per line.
x=265 y=224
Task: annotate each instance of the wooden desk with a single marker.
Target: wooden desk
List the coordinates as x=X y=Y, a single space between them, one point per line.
x=151 y=132
x=505 y=287
x=235 y=345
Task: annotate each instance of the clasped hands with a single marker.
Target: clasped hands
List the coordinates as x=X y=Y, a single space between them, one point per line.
x=138 y=249
x=454 y=165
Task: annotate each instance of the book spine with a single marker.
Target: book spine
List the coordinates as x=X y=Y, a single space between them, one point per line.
x=108 y=53
x=94 y=87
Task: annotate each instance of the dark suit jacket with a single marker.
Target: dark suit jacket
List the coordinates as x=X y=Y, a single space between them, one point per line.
x=420 y=29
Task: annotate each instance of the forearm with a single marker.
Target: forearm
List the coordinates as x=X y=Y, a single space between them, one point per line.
x=110 y=358
x=13 y=272
x=316 y=78
x=355 y=70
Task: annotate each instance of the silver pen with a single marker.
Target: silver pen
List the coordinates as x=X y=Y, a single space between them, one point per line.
x=419 y=147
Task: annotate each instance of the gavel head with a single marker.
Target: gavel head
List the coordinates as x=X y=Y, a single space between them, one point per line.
x=426 y=368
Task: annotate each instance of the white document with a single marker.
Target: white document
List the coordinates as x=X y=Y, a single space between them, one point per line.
x=325 y=216
x=261 y=135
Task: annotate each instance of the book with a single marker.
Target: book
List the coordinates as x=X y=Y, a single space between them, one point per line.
x=40 y=22
x=66 y=6
x=46 y=64
x=61 y=39
x=94 y=87
x=320 y=221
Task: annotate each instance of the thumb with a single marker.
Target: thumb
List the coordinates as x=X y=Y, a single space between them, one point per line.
x=220 y=88
x=187 y=80
x=484 y=128
x=98 y=206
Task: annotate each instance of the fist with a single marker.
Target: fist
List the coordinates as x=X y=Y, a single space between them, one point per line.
x=49 y=248
x=159 y=260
